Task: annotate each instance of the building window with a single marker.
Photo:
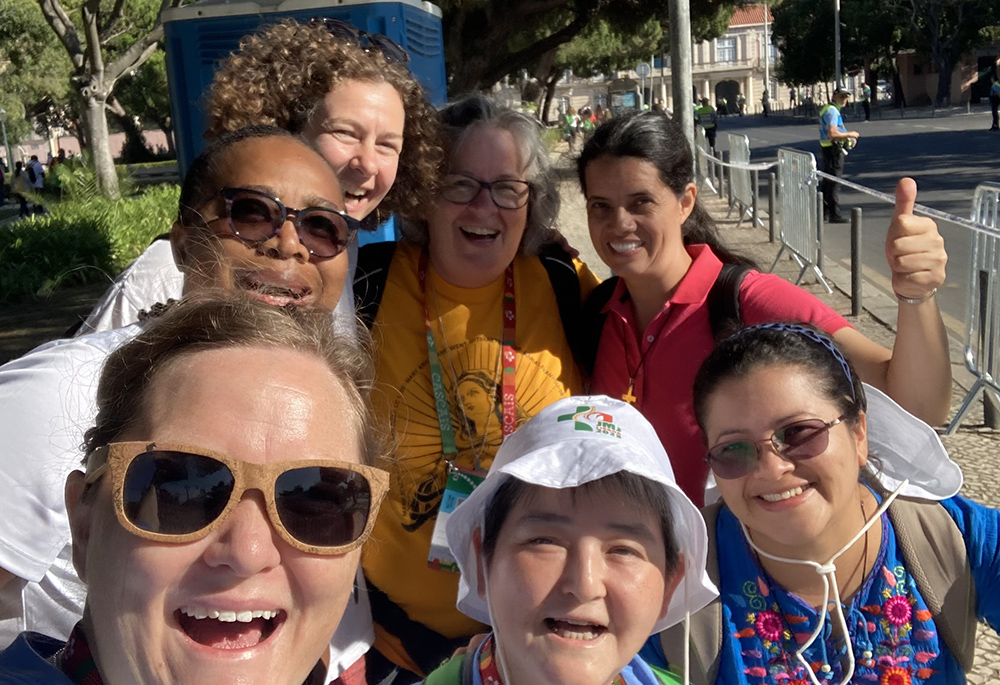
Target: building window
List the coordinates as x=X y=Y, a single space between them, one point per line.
x=725 y=50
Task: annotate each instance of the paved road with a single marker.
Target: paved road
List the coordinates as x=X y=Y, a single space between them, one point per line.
x=947 y=155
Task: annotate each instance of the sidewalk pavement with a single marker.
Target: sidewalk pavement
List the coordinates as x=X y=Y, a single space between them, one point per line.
x=973 y=446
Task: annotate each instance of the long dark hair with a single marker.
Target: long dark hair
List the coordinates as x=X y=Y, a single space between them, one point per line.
x=656 y=139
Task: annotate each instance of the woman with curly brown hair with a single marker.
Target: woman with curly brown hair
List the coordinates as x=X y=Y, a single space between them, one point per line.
x=353 y=100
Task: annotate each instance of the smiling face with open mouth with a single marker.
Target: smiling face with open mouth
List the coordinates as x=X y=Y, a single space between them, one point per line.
x=279 y=271
x=576 y=583
x=471 y=244
x=240 y=605
x=635 y=220
x=804 y=508
x=358 y=128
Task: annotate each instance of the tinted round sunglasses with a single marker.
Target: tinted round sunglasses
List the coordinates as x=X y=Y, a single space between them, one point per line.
x=338 y=28
x=254 y=217
x=796 y=441
x=175 y=493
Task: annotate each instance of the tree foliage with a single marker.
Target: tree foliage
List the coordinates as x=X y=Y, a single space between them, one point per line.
x=486 y=40
x=104 y=40
x=144 y=94
x=34 y=70
x=948 y=29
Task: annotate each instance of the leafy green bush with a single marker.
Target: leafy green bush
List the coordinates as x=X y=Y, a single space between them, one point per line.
x=81 y=240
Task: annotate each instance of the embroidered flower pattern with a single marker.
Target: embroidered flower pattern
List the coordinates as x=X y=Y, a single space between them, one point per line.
x=897 y=611
x=895 y=676
x=894 y=641
x=769 y=625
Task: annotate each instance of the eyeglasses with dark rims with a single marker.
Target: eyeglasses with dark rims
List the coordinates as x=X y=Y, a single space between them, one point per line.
x=505 y=193
x=254 y=217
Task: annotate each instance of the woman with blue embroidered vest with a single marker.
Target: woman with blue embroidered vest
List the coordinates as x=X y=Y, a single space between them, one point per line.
x=842 y=552
x=466 y=313
x=576 y=546
x=647 y=225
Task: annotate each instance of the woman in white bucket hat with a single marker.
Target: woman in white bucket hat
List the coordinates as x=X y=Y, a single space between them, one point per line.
x=575 y=548
x=842 y=552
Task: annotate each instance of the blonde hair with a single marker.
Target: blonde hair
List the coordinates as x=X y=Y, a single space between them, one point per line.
x=219 y=321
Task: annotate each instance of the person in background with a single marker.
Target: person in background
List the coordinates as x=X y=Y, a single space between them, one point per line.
x=995 y=101
x=707 y=119
x=866 y=97
x=834 y=139
x=19 y=187
x=221 y=508
x=646 y=224
x=765 y=103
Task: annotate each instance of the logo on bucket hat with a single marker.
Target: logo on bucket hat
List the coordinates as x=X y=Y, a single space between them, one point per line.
x=587 y=418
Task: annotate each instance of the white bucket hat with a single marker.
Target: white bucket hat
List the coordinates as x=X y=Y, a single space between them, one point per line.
x=571 y=442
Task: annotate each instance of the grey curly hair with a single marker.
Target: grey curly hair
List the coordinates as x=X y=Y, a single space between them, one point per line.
x=457 y=120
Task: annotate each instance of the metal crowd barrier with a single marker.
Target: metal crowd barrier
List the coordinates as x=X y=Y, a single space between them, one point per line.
x=800 y=232
x=982 y=313
x=702 y=159
x=739 y=175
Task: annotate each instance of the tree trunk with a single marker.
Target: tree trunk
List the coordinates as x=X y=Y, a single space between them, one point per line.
x=550 y=93
x=100 y=146
x=944 y=68
x=898 y=97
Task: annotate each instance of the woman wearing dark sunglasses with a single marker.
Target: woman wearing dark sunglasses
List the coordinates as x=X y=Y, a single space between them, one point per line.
x=261 y=214
x=842 y=553
x=467 y=293
x=345 y=92
x=219 y=518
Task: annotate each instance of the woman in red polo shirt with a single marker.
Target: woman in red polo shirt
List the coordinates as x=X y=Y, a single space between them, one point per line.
x=647 y=225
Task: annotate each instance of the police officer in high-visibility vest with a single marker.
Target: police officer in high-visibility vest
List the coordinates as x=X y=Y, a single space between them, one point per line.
x=834 y=139
x=706 y=116
x=866 y=97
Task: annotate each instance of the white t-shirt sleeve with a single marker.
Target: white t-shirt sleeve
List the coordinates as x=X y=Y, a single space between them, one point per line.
x=153 y=277
x=46 y=404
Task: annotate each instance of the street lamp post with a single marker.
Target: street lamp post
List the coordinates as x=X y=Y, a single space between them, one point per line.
x=6 y=146
x=836 y=42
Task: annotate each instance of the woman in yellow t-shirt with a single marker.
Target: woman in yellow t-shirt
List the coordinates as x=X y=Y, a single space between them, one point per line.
x=469 y=346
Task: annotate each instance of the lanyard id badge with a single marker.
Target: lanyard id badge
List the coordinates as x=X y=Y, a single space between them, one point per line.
x=461 y=483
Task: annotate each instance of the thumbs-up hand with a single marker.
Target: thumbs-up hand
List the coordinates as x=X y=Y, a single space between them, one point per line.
x=913 y=247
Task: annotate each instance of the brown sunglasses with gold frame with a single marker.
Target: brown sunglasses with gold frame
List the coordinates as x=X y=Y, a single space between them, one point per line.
x=174 y=493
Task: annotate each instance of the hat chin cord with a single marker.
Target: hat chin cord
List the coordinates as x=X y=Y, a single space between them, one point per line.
x=828 y=572
x=497 y=651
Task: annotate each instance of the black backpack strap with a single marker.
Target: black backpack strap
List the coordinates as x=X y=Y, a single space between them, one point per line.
x=566 y=284
x=723 y=301
x=592 y=323
x=370 y=278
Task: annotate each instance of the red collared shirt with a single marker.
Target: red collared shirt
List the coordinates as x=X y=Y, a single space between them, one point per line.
x=675 y=344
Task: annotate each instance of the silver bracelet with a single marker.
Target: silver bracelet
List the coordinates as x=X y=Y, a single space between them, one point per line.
x=915 y=300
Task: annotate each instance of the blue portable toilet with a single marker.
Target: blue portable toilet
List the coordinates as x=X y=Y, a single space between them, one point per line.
x=200 y=35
